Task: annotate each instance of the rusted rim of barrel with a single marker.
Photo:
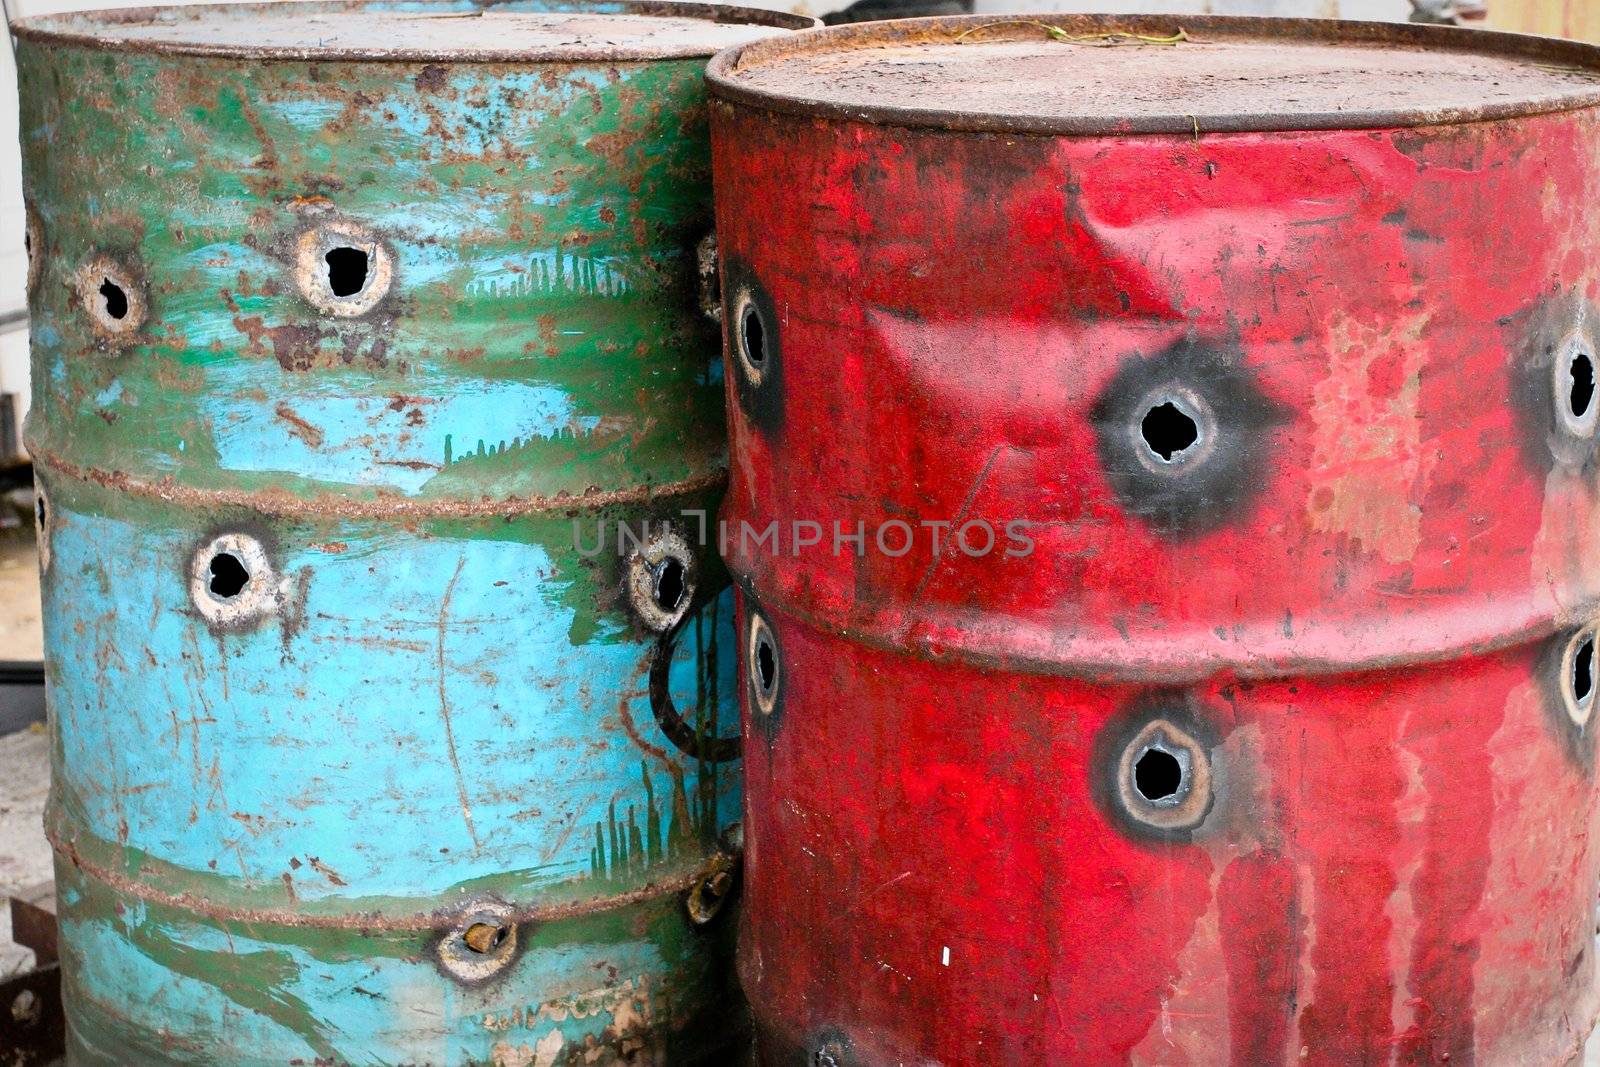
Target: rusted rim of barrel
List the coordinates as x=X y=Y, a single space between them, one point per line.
x=99 y=30
x=728 y=80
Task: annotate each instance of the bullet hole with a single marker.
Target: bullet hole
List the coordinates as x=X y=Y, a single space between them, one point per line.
x=1184 y=437
x=1157 y=775
x=484 y=938
x=114 y=303
x=752 y=335
x=343 y=269
x=754 y=338
x=711 y=892
x=347 y=270
x=228 y=576
x=714 y=886
x=829 y=1055
x=116 y=299
x=763 y=663
x=1159 y=771
x=1578 y=672
x=231 y=581
x=766 y=665
x=41 y=516
x=33 y=244
x=660 y=579
x=1581 y=394
x=1168 y=431
x=669 y=584
x=481 y=945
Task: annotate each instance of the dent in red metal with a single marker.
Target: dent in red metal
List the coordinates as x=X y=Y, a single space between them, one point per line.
x=1353 y=611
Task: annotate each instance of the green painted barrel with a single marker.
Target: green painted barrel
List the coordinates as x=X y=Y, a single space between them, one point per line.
x=375 y=417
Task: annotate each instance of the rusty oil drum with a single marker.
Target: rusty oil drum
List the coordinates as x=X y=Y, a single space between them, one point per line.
x=352 y=325
x=1268 y=738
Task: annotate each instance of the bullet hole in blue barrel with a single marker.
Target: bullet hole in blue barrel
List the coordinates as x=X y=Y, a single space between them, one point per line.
x=1157 y=775
x=753 y=335
x=766 y=664
x=116 y=299
x=1168 y=432
x=41 y=510
x=1581 y=395
x=228 y=575
x=1583 y=671
x=347 y=270
x=484 y=938
x=669 y=584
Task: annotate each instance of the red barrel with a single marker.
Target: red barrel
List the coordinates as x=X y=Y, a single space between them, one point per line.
x=1164 y=501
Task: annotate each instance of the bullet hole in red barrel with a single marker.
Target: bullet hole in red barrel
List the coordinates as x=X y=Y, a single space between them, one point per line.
x=1581 y=395
x=753 y=335
x=1167 y=431
x=228 y=575
x=1583 y=671
x=669 y=584
x=347 y=270
x=766 y=665
x=116 y=299
x=1157 y=775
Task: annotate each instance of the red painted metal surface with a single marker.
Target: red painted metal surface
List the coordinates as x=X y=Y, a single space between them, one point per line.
x=1276 y=747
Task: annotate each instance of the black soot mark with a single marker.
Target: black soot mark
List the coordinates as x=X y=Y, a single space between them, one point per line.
x=1184 y=436
x=755 y=346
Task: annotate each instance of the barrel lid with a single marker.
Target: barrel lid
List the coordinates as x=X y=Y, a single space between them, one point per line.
x=516 y=31
x=1097 y=74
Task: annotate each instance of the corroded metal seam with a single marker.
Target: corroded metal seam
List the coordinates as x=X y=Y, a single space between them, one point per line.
x=1110 y=662
x=281 y=502
x=440 y=919
x=723 y=82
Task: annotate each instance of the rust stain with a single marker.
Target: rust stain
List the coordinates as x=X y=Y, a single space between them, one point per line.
x=382 y=505
x=444 y=704
x=298 y=426
x=327 y=872
x=1368 y=466
x=441 y=919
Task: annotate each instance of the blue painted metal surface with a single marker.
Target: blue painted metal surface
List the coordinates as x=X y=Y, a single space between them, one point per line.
x=353 y=329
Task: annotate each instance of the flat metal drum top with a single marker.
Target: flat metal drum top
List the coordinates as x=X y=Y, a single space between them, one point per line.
x=457 y=31
x=1230 y=74
x=1163 y=500
x=360 y=332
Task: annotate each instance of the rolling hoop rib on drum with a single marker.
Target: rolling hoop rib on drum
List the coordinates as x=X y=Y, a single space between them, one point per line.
x=344 y=316
x=1277 y=747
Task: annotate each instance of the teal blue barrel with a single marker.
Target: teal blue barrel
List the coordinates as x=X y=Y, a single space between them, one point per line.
x=376 y=414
